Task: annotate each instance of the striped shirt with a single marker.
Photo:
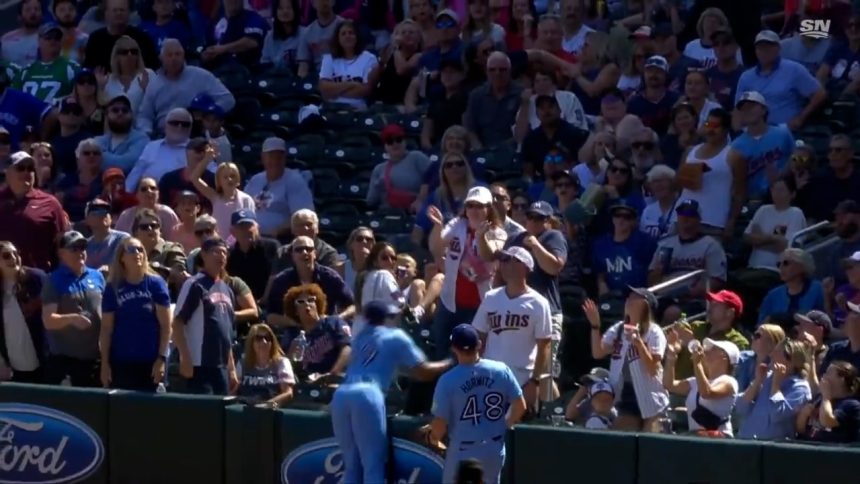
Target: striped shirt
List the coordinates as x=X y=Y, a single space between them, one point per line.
x=650 y=394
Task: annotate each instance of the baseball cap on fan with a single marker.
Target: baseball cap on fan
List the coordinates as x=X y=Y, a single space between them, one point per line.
x=519 y=254
x=751 y=96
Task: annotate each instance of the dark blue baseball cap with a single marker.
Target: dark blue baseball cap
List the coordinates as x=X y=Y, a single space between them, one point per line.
x=376 y=312
x=465 y=337
x=243 y=216
x=213 y=242
x=541 y=208
x=689 y=208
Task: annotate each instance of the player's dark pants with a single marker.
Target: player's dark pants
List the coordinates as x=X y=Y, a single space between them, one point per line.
x=491 y=455
x=132 y=376
x=444 y=322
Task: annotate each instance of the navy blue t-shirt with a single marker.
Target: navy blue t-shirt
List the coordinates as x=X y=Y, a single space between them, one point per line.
x=623 y=263
x=325 y=342
x=136 y=332
x=174 y=29
x=847 y=413
x=656 y=116
x=338 y=293
x=545 y=284
x=724 y=85
x=246 y=24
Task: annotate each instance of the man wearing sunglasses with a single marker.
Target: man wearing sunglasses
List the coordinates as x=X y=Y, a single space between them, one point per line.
x=448 y=48
x=71 y=311
x=102 y=244
x=121 y=144
x=30 y=218
x=50 y=76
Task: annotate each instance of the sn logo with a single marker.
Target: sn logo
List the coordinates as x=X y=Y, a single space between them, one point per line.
x=815 y=28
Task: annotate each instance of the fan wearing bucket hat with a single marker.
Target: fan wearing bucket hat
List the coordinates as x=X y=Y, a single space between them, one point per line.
x=725 y=310
x=621 y=257
x=763 y=143
x=792 y=91
x=358 y=405
x=712 y=390
x=486 y=386
x=515 y=323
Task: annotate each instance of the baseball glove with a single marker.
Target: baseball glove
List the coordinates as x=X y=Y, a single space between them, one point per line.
x=424 y=437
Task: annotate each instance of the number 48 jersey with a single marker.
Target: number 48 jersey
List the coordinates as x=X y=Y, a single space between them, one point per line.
x=474 y=399
x=48 y=81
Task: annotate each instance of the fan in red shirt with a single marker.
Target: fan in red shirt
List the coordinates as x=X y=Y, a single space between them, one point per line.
x=30 y=218
x=113 y=180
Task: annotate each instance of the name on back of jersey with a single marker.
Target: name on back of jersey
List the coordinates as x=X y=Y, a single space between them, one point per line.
x=506 y=322
x=475 y=382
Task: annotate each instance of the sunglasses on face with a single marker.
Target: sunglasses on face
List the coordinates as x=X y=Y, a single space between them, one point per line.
x=618 y=169
x=308 y=301
x=180 y=124
x=364 y=239
x=452 y=164
x=149 y=188
x=149 y=226
x=9 y=255
x=445 y=23
x=303 y=249
x=534 y=217
x=394 y=141
x=474 y=206
x=91 y=153
x=72 y=109
x=757 y=335
x=264 y=338
x=133 y=249
x=128 y=51
x=553 y=159
x=643 y=145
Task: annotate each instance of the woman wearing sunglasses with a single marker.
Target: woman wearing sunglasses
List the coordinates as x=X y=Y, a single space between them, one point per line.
x=265 y=374
x=764 y=340
x=86 y=93
x=619 y=186
x=358 y=246
x=136 y=320
x=328 y=337
x=377 y=281
x=128 y=75
x=800 y=292
x=167 y=259
x=22 y=334
x=455 y=180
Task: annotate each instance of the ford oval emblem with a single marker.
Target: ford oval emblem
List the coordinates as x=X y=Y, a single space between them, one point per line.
x=320 y=462
x=39 y=445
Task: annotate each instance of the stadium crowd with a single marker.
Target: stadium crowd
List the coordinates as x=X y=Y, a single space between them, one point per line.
x=224 y=186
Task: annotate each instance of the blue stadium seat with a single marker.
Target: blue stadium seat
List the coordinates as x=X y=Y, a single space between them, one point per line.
x=326 y=182
x=309 y=148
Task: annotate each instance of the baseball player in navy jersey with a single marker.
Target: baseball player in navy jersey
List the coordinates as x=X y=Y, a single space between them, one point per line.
x=358 y=405
x=471 y=403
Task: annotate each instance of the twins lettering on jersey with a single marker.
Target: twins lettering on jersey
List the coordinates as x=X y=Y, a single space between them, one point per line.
x=632 y=352
x=454 y=249
x=507 y=322
x=318 y=349
x=259 y=380
x=767 y=158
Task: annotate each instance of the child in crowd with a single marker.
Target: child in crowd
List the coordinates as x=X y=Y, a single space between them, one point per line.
x=226 y=197
x=603 y=411
x=406 y=273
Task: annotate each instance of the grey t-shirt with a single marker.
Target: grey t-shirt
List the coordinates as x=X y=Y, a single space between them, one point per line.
x=314 y=42
x=74 y=294
x=704 y=252
x=406 y=175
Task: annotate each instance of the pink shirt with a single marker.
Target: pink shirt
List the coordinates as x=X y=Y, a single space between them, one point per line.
x=166 y=216
x=222 y=210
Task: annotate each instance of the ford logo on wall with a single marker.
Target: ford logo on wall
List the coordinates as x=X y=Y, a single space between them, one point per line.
x=320 y=462
x=39 y=445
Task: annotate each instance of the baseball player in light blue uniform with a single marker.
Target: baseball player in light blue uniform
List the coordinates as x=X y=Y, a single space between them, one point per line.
x=471 y=403
x=358 y=405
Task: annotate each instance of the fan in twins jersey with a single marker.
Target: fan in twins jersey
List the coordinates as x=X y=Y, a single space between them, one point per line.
x=515 y=323
x=50 y=76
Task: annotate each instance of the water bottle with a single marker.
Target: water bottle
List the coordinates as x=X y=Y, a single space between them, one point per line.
x=301 y=346
x=161 y=388
x=556 y=369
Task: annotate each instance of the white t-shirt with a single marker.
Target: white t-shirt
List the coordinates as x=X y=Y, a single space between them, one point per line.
x=650 y=393
x=513 y=327
x=344 y=70
x=774 y=222
x=721 y=406
x=19 y=343
x=705 y=55
x=135 y=91
x=587 y=177
x=574 y=43
x=222 y=210
x=461 y=256
x=656 y=223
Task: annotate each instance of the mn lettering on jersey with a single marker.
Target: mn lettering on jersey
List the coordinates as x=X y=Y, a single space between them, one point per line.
x=620 y=265
x=761 y=161
x=507 y=322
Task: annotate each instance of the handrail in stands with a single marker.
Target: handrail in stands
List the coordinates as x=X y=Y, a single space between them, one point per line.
x=676 y=281
x=807 y=230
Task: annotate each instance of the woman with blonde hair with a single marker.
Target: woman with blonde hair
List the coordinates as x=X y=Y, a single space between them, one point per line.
x=711 y=21
x=479 y=23
x=770 y=404
x=128 y=75
x=411 y=286
x=226 y=197
x=327 y=351
x=631 y=76
x=136 y=322
x=358 y=246
x=399 y=63
x=763 y=341
x=47 y=167
x=596 y=72
x=639 y=406
x=265 y=374
x=455 y=181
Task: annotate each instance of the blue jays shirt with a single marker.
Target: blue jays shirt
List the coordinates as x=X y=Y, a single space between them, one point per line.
x=19 y=110
x=136 y=331
x=74 y=294
x=245 y=24
x=377 y=352
x=207 y=307
x=474 y=399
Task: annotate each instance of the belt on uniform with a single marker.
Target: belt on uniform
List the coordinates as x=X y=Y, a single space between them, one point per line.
x=469 y=443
